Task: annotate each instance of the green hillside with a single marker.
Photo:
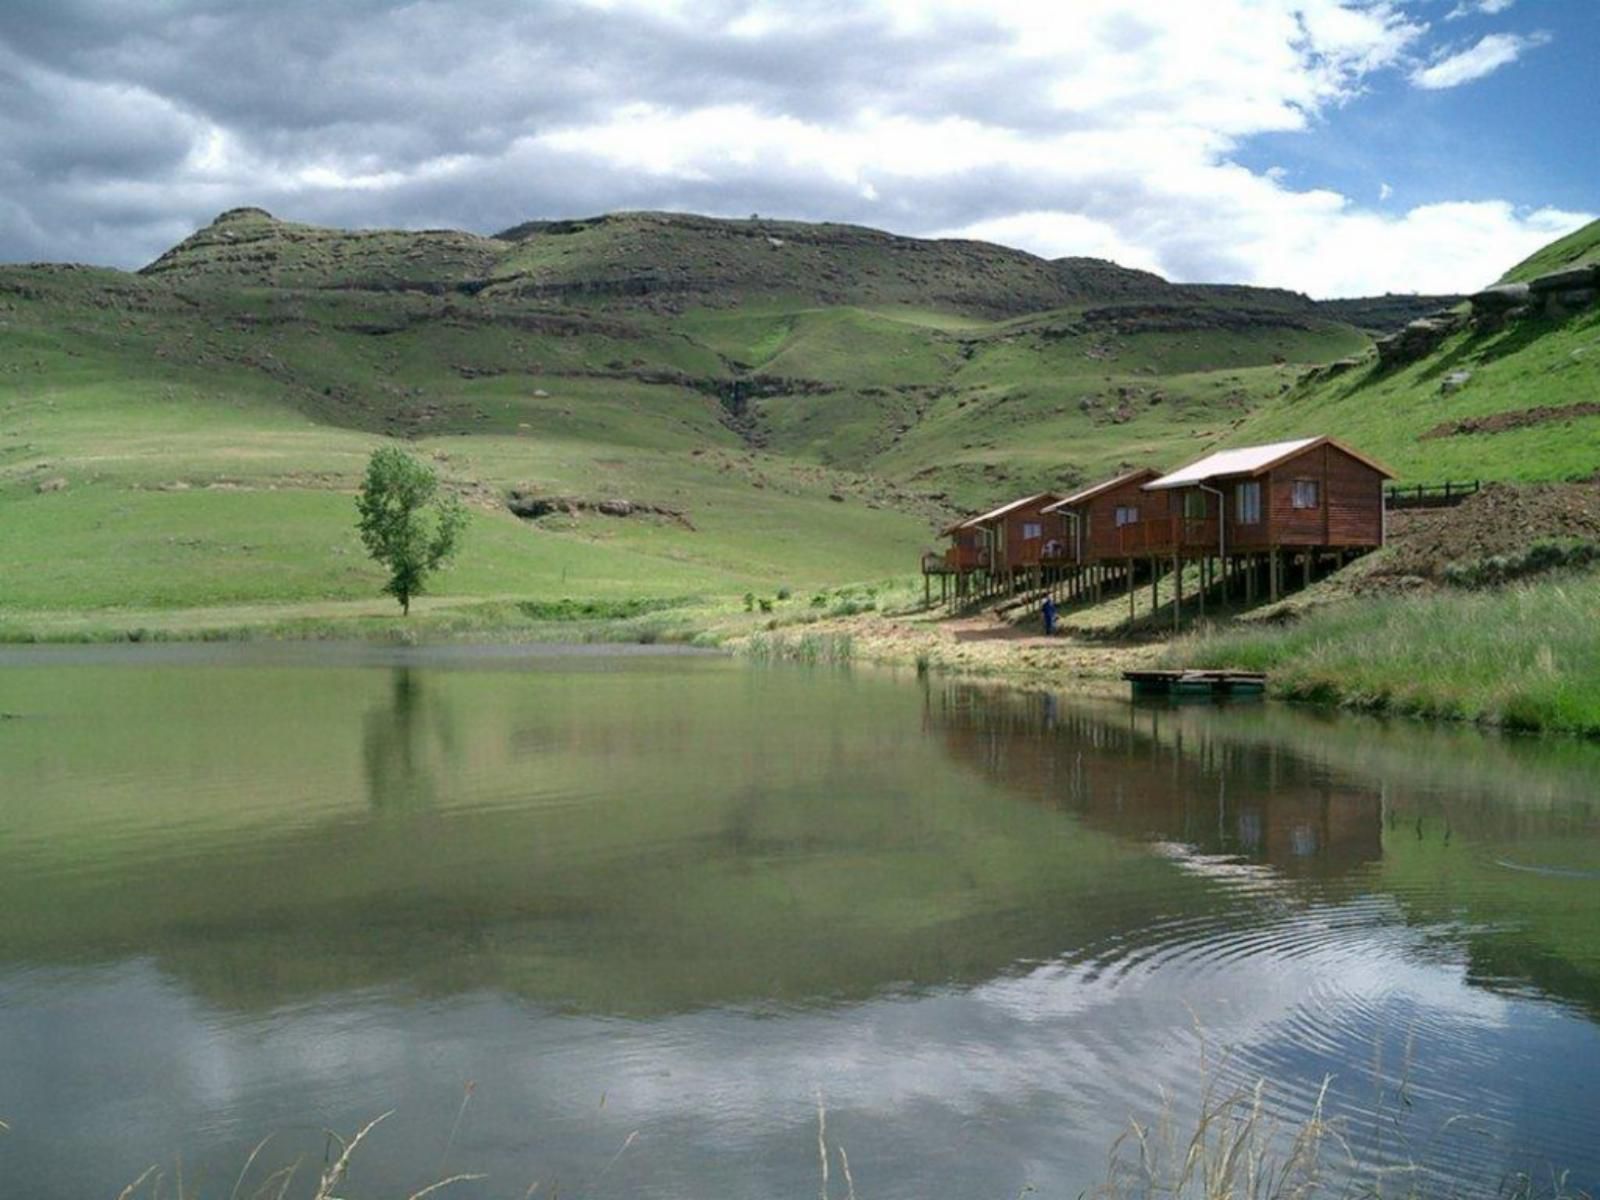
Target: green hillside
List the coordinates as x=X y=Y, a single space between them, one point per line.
x=1573 y=250
x=784 y=404
x=1511 y=398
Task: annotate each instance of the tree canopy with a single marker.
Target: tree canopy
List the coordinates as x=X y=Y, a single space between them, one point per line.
x=406 y=525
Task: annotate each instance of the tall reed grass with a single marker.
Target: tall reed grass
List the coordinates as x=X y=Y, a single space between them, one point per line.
x=811 y=647
x=1232 y=1147
x=1523 y=657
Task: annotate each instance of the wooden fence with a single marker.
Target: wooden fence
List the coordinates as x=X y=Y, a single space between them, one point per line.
x=1431 y=495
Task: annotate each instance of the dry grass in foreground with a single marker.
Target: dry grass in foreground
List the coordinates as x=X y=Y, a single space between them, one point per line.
x=1233 y=1148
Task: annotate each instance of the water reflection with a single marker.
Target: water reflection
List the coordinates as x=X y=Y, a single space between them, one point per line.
x=1442 y=821
x=986 y=924
x=1148 y=773
x=409 y=745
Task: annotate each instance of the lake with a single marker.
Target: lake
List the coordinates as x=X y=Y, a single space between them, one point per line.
x=616 y=923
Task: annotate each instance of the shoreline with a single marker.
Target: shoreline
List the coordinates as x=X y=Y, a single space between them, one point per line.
x=978 y=646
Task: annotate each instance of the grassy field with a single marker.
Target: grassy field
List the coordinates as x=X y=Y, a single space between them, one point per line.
x=1523 y=657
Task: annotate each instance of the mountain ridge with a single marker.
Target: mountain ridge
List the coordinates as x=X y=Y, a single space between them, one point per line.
x=670 y=261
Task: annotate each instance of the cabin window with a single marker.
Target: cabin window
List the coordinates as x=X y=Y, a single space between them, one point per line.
x=1247 y=501
x=1032 y=531
x=1305 y=493
x=1127 y=514
x=1194 y=506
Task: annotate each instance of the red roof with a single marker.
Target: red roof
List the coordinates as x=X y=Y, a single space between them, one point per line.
x=1089 y=493
x=994 y=514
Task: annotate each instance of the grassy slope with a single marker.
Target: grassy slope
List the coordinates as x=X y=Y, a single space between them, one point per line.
x=1532 y=363
x=1573 y=250
x=210 y=463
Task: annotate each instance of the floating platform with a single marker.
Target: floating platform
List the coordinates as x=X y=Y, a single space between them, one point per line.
x=1196 y=683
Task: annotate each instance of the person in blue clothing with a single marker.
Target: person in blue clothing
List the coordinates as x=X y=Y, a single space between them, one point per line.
x=1049 y=611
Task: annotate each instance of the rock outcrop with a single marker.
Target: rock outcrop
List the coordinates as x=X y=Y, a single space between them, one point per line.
x=1555 y=294
x=1418 y=339
x=531 y=506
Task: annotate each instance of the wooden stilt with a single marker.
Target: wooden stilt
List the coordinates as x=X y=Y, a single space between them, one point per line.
x=1177 y=594
x=1305 y=568
x=1272 y=574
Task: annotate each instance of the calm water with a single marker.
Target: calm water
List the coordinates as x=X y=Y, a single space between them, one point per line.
x=664 y=902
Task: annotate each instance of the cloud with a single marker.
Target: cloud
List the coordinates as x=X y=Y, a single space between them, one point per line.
x=1489 y=8
x=1491 y=52
x=1385 y=191
x=123 y=126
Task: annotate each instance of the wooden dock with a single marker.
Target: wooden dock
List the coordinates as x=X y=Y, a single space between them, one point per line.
x=1196 y=683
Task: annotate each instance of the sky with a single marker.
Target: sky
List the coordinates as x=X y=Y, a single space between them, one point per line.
x=1337 y=147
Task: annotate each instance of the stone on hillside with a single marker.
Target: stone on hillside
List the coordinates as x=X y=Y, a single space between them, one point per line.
x=55 y=483
x=1417 y=340
x=1455 y=381
x=1568 y=279
x=1500 y=297
x=614 y=508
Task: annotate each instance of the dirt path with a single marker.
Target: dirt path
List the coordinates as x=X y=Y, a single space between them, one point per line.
x=984 y=645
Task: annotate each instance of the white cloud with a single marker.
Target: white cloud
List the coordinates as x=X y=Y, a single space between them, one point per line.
x=1491 y=52
x=1385 y=191
x=1489 y=8
x=1149 y=196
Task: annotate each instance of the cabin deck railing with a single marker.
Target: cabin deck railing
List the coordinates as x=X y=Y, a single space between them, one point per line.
x=965 y=558
x=1166 y=535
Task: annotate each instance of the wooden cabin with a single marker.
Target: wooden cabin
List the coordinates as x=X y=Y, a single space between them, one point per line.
x=1014 y=537
x=1309 y=494
x=1093 y=518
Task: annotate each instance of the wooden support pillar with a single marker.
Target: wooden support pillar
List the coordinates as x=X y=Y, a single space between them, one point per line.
x=1155 y=588
x=1272 y=574
x=1305 y=568
x=1177 y=593
x=1205 y=570
x=927 y=590
x=1249 y=580
x=1132 y=595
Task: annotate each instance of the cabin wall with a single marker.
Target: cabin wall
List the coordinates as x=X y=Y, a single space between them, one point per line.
x=1349 y=509
x=1019 y=550
x=1101 y=539
x=1253 y=535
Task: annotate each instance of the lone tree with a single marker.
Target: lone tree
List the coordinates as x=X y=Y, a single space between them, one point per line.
x=405 y=524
